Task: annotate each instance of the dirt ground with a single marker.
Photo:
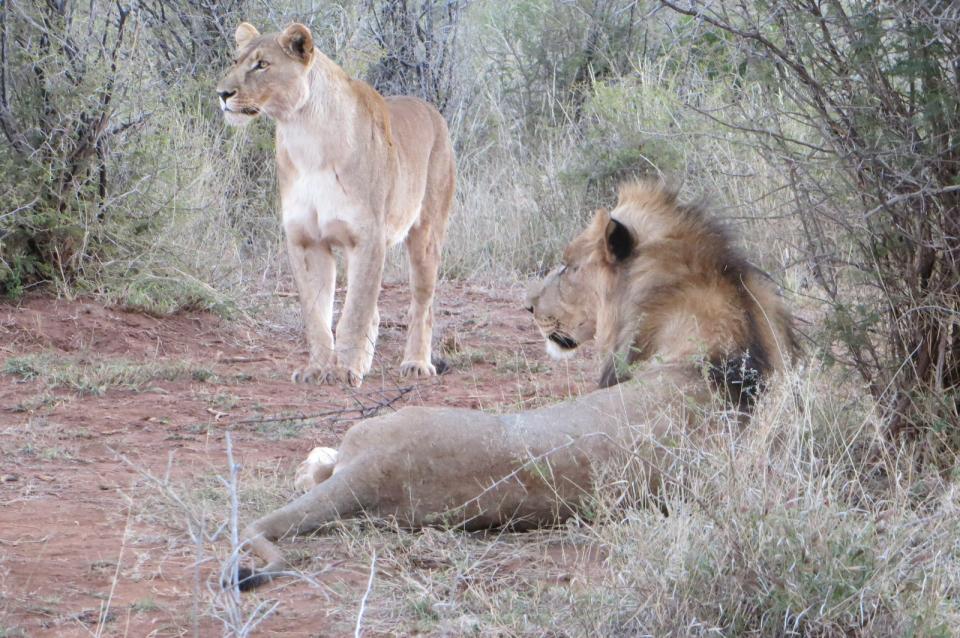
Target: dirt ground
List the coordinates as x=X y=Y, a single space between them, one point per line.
x=105 y=413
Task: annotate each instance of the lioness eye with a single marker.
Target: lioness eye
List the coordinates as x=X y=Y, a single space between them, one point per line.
x=261 y=64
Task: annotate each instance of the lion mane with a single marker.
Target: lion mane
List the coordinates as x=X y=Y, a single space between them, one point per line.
x=663 y=280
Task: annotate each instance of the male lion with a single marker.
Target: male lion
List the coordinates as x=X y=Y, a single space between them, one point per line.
x=692 y=293
x=357 y=172
x=423 y=466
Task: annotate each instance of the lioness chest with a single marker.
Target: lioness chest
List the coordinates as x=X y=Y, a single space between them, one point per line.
x=316 y=208
x=329 y=203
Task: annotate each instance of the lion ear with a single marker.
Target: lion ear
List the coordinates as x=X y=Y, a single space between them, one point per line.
x=618 y=242
x=244 y=34
x=297 y=42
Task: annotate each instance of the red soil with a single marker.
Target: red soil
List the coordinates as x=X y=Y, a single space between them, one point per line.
x=72 y=533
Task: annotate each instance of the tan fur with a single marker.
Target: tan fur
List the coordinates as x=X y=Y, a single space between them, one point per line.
x=684 y=293
x=424 y=466
x=357 y=172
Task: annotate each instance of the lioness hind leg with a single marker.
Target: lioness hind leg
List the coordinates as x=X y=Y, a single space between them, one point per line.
x=317 y=468
x=424 y=244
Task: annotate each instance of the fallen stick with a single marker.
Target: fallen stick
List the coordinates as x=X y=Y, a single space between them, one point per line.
x=362 y=410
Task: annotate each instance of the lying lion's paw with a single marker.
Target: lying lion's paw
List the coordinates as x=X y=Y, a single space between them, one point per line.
x=417 y=369
x=317 y=468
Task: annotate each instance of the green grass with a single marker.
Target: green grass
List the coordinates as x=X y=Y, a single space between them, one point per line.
x=37 y=402
x=162 y=295
x=94 y=378
x=285 y=429
x=145 y=605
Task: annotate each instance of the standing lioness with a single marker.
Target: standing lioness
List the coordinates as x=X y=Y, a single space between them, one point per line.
x=357 y=172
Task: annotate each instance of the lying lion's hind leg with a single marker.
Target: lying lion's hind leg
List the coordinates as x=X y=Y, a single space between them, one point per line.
x=326 y=503
x=317 y=468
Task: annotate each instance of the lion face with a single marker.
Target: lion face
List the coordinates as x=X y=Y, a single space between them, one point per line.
x=568 y=303
x=268 y=75
x=564 y=307
x=565 y=304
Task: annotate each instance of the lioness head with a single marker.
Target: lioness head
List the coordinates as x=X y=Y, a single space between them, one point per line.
x=268 y=75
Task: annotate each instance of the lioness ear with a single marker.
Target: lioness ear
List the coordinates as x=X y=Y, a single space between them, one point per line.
x=244 y=34
x=619 y=242
x=297 y=42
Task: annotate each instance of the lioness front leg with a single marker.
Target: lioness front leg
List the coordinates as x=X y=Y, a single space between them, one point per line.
x=358 y=325
x=314 y=271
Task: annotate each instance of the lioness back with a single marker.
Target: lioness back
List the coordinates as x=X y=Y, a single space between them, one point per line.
x=416 y=127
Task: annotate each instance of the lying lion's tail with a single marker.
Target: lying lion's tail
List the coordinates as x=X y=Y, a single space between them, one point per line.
x=329 y=501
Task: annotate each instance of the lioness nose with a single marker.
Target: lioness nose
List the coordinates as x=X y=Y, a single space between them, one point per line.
x=226 y=95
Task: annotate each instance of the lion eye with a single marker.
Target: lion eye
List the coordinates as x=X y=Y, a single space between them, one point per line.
x=261 y=64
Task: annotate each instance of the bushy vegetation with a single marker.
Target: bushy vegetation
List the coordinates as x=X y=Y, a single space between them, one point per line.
x=825 y=131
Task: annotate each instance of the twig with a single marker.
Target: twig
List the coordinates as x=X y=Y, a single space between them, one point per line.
x=105 y=607
x=366 y=594
x=233 y=488
x=24 y=541
x=362 y=411
x=925 y=192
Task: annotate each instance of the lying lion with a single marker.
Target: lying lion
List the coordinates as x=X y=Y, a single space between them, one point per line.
x=659 y=272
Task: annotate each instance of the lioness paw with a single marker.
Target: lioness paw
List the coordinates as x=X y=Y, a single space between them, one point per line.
x=317 y=468
x=417 y=369
x=327 y=375
x=307 y=374
x=340 y=374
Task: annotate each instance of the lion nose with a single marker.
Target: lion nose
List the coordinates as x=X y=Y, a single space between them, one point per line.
x=226 y=95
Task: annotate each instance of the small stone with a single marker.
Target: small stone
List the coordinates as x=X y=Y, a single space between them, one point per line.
x=9 y=478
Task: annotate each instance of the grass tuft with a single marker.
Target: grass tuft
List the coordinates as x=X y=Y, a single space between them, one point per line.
x=94 y=378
